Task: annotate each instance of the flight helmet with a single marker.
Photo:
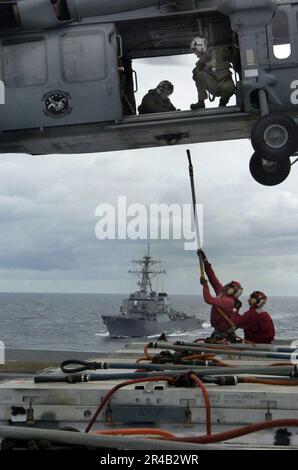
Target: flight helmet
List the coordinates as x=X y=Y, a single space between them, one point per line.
x=165 y=87
x=199 y=45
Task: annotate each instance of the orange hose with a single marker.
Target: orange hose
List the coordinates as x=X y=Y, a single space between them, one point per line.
x=221 y=363
x=208 y=357
x=146 y=356
x=221 y=341
x=123 y=384
x=202 y=357
x=256 y=380
x=136 y=431
x=219 y=437
x=243 y=431
x=246 y=341
x=207 y=402
x=198 y=340
x=141 y=359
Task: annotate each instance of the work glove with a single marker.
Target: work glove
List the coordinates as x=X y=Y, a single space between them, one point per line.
x=238 y=304
x=201 y=254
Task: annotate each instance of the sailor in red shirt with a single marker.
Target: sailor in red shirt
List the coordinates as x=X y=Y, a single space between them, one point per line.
x=257 y=324
x=225 y=299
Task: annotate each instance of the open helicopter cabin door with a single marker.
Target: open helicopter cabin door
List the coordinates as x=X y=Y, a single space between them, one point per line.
x=60 y=77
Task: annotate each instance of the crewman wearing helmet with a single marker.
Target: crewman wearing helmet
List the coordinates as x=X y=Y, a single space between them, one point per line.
x=212 y=72
x=157 y=100
x=257 y=324
x=226 y=297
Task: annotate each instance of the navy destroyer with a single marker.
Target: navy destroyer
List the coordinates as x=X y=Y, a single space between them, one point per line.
x=146 y=312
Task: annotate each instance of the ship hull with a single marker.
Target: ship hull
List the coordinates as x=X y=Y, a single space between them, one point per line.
x=130 y=327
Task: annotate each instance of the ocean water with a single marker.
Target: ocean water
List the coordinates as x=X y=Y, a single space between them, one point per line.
x=73 y=321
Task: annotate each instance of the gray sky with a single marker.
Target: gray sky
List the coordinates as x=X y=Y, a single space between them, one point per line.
x=47 y=212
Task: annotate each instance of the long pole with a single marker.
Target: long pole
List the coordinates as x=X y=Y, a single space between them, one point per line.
x=195 y=214
x=199 y=242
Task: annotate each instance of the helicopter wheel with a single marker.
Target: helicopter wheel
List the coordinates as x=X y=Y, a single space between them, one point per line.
x=267 y=172
x=276 y=136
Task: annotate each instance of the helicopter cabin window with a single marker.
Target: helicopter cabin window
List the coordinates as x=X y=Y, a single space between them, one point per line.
x=281 y=35
x=61 y=9
x=24 y=64
x=84 y=57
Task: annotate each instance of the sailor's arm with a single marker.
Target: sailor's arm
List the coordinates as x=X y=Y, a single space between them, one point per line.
x=201 y=64
x=225 y=303
x=217 y=286
x=171 y=106
x=241 y=321
x=151 y=105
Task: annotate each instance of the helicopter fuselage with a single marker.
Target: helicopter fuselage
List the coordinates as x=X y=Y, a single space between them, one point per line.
x=63 y=64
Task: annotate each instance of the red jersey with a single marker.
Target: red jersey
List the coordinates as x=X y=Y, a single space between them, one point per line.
x=257 y=325
x=224 y=302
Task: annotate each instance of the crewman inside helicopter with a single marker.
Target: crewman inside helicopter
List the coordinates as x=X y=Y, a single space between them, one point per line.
x=212 y=73
x=157 y=100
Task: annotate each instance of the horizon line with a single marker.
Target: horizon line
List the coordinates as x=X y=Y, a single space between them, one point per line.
x=117 y=293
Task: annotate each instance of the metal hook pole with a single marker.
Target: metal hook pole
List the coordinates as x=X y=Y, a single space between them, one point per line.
x=195 y=214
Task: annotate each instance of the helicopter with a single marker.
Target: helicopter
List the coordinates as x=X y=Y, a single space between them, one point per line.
x=67 y=70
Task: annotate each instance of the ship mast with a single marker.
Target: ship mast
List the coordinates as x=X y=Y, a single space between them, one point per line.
x=146 y=273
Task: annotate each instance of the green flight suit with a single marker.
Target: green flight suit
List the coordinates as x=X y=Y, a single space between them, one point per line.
x=212 y=74
x=154 y=103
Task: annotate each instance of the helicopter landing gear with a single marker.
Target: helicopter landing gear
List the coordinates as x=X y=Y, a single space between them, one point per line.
x=269 y=173
x=276 y=136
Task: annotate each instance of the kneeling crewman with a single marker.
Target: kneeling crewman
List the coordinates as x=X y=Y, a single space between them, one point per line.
x=212 y=72
x=157 y=100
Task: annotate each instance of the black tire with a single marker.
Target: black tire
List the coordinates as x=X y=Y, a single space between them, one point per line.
x=275 y=173
x=275 y=136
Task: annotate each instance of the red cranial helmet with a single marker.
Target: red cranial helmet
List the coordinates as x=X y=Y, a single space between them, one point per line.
x=234 y=288
x=257 y=298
